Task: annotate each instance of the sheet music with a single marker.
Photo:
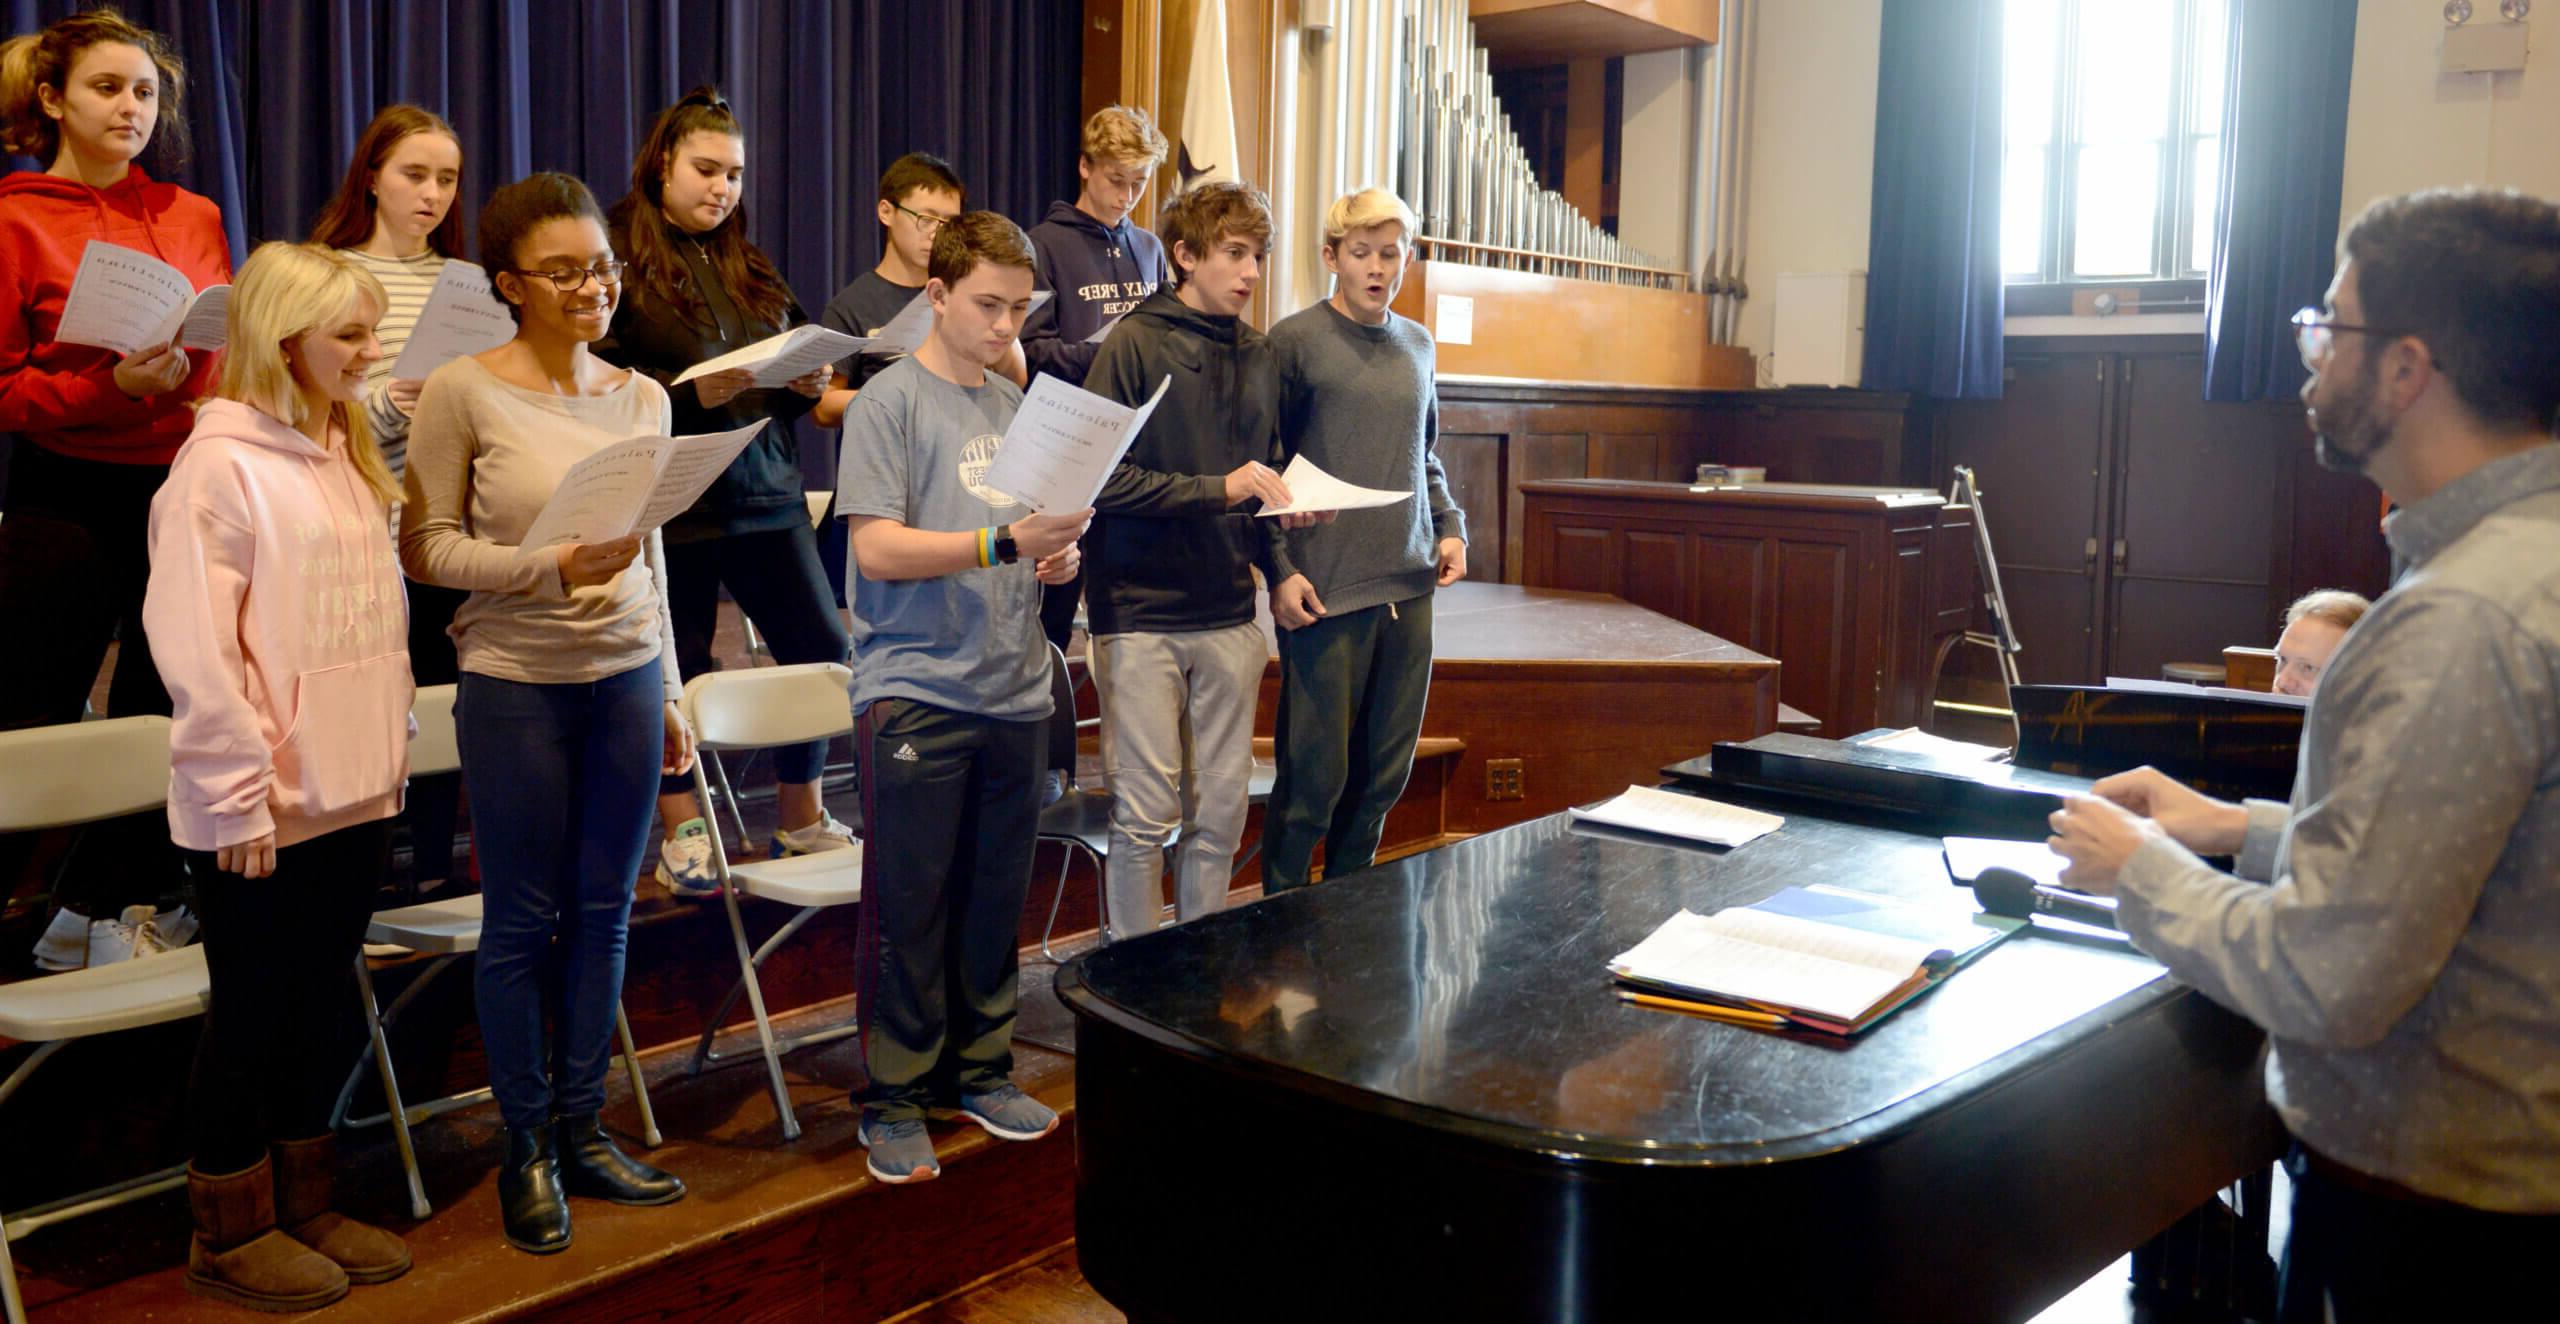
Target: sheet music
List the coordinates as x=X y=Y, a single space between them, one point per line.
x=779 y=360
x=2133 y=685
x=1650 y=809
x=205 y=323
x=462 y=316
x=1063 y=444
x=1103 y=332
x=632 y=487
x=1913 y=740
x=122 y=299
x=1312 y=489
x=1690 y=951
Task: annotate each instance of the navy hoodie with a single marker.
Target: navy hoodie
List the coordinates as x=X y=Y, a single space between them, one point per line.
x=1098 y=272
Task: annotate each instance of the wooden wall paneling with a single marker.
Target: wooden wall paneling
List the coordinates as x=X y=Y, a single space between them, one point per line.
x=1473 y=462
x=1626 y=455
x=1655 y=568
x=1733 y=574
x=1532 y=458
x=2038 y=457
x=1814 y=621
x=2334 y=525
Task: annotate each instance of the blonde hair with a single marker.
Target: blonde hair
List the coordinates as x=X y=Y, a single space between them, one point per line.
x=1125 y=135
x=284 y=292
x=37 y=60
x=1368 y=207
x=2336 y=606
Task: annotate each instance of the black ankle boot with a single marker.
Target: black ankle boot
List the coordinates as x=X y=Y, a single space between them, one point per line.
x=592 y=1165
x=529 y=1195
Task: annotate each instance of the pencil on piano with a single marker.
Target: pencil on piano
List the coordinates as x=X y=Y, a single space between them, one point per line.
x=1710 y=1011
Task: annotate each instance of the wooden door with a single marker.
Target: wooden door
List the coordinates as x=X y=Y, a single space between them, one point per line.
x=2196 y=521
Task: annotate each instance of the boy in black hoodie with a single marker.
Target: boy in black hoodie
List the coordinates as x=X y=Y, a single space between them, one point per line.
x=1169 y=562
x=1100 y=264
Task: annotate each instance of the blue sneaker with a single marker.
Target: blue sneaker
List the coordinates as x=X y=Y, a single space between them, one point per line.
x=1009 y=1114
x=684 y=862
x=900 y=1152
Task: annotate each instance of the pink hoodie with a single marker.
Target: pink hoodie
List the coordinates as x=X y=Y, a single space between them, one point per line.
x=277 y=618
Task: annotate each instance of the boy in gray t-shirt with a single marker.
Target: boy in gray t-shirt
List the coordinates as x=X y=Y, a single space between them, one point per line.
x=951 y=705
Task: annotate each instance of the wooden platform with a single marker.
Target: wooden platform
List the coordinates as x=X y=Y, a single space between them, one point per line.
x=1586 y=692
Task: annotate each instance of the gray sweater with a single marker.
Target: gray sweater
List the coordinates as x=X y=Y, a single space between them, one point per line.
x=1359 y=401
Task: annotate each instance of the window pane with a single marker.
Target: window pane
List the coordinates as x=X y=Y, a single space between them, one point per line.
x=2205 y=187
x=2029 y=37
x=2125 y=64
x=2213 y=42
x=2119 y=199
x=2022 y=210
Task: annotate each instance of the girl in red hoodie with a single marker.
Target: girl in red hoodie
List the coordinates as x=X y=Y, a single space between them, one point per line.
x=87 y=95
x=275 y=612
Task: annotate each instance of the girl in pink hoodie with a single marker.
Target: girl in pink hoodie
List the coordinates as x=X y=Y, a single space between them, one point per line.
x=276 y=616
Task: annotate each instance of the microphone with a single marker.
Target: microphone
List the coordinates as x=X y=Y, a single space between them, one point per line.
x=2011 y=893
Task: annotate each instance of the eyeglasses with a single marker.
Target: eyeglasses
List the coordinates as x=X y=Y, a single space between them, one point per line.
x=2315 y=335
x=570 y=280
x=925 y=220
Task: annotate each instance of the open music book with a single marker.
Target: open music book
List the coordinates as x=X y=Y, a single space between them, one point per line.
x=1671 y=814
x=123 y=299
x=1825 y=958
x=632 y=487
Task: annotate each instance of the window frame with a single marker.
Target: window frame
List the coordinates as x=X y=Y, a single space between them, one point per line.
x=2173 y=271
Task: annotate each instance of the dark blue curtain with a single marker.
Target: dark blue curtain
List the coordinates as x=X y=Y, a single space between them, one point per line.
x=1933 y=249
x=2284 y=130
x=830 y=92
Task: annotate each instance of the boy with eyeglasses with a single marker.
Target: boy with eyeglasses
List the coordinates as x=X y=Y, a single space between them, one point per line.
x=919 y=194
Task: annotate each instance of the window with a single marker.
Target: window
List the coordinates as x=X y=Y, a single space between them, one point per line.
x=2113 y=138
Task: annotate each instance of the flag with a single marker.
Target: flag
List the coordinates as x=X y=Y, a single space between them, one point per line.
x=1208 y=149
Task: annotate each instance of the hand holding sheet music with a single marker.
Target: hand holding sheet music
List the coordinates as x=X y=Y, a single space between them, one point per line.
x=633 y=487
x=780 y=360
x=462 y=316
x=125 y=300
x=1063 y=444
x=1314 y=491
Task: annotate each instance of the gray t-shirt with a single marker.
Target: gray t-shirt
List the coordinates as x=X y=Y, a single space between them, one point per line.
x=915 y=447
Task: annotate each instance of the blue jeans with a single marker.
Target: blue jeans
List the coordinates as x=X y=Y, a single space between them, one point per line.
x=563 y=779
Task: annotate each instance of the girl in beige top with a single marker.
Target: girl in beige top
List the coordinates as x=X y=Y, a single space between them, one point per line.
x=566 y=712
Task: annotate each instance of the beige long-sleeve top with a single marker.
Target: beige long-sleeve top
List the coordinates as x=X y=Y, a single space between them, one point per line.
x=484 y=455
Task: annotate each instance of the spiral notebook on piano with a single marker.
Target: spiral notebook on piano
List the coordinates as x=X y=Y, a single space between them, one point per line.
x=1820 y=957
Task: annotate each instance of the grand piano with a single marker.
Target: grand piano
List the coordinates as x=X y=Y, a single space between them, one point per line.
x=1410 y=1092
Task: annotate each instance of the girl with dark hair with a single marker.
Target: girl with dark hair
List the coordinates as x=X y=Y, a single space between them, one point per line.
x=395 y=215
x=567 y=713
x=699 y=289
x=88 y=95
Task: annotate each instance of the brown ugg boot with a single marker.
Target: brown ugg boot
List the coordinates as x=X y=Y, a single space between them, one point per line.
x=306 y=1176
x=238 y=1255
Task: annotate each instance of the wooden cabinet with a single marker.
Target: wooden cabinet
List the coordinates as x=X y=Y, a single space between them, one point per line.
x=1859 y=592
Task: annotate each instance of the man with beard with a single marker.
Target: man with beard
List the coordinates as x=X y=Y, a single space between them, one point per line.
x=2402 y=950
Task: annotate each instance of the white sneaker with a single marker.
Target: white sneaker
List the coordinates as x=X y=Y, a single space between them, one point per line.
x=65 y=944
x=684 y=861
x=124 y=938
x=825 y=834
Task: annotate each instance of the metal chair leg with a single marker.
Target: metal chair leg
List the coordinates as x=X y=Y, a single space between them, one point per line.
x=639 y=1082
x=764 y=1023
x=703 y=1055
x=737 y=812
x=399 y=1111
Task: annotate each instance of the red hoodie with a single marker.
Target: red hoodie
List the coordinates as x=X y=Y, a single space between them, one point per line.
x=64 y=397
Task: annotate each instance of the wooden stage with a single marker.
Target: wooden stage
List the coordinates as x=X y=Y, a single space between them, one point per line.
x=1586 y=692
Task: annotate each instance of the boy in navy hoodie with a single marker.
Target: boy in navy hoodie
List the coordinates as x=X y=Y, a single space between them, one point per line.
x=1100 y=264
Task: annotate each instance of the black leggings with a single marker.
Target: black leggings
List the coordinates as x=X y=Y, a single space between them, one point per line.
x=434 y=802
x=281 y=951
x=74 y=559
x=776 y=580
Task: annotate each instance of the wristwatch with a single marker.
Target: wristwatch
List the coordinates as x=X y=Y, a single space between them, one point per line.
x=1006 y=552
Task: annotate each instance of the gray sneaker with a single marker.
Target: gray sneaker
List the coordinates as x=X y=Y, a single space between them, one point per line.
x=1009 y=1114
x=901 y=1152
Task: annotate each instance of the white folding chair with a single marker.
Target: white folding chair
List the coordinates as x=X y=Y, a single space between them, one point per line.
x=758 y=709
x=63 y=776
x=447 y=930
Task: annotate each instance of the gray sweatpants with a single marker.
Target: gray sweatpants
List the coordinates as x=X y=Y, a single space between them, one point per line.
x=1177 y=746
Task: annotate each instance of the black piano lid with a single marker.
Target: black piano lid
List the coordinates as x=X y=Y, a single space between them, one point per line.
x=1464 y=991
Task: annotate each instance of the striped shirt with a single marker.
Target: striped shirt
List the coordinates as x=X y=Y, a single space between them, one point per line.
x=408 y=281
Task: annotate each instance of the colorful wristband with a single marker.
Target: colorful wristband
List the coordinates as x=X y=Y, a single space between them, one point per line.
x=986 y=548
